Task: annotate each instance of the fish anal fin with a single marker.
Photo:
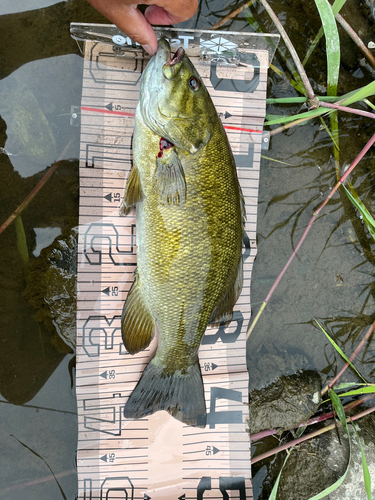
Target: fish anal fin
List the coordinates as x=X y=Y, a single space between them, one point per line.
x=137 y=323
x=133 y=191
x=222 y=314
x=180 y=393
x=169 y=178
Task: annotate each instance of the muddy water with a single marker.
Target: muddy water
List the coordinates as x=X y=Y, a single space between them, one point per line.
x=332 y=279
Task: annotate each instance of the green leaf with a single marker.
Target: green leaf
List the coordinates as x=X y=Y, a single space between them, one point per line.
x=338 y=408
x=332 y=44
x=339 y=351
x=277 y=161
x=274 y=119
x=344 y=385
x=367 y=218
x=363 y=390
x=336 y=7
x=359 y=95
x=276 y=485
x=366 y=472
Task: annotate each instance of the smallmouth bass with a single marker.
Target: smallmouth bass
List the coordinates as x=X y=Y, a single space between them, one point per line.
x=190 y=218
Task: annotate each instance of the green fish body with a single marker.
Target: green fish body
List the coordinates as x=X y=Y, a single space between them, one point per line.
x=189 y=217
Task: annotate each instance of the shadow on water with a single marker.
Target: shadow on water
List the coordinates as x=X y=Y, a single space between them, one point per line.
x=332 y=278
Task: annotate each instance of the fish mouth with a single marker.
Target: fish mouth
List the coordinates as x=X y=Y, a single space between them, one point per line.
x=178 y=56
x=164 y=51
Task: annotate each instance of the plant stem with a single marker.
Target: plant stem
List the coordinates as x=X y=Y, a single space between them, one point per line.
x=35 y=191
x=286 y=446
x=233 y=14
x=348 y=110
x=291 y=49
x=313 y=218
x=289 y=125
x=321 y=418
x=353 y=35
x=330 y=385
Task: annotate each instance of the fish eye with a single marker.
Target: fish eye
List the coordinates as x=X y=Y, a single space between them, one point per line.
x=193 y=83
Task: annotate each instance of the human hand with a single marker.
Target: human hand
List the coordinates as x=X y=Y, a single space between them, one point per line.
x=125 y=15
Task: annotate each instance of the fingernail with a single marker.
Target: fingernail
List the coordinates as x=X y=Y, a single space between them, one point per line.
x=148 y=49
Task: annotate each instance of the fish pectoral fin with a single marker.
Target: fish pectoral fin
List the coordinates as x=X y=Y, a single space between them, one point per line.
x=224 y=310
x=137 y=323
x=169 y=178
x=133 y=191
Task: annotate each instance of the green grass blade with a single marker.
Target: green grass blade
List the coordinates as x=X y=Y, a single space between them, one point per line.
x=363 y=390
x=336 y=7
x=339 y=409
x=277 y=161
x=360 y=94
x=275 y=119
x=344 y=385
x=369 y=104
x=341 y=414
x=276 y=485
x=340 y=351
x=335 y=141
x=367 y=219
x=366 y=472
x=332 y=44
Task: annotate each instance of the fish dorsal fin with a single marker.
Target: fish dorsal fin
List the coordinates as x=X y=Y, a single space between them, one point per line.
x=133 y=191
x=137 y=324
x=169 y=178
x=224 y=310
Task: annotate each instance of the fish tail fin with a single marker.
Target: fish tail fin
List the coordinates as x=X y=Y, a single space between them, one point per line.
x=181 y=394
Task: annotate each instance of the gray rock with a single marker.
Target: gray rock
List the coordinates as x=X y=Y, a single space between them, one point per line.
x=313 y=466
x=316 y=464
x=353 y=488
x=285 y=403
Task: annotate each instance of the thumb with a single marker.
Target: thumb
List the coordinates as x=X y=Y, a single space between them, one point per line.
x=130 y=20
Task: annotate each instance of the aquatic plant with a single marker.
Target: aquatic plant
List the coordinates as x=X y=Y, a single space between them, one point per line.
x=319 y=106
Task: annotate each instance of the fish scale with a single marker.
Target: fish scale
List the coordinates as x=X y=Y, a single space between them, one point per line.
x=189 y=190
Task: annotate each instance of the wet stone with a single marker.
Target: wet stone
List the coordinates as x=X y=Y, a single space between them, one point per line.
x=52 y=288
x=353 y=487
x=316 y=464
x=285 y=403
x=313 y=466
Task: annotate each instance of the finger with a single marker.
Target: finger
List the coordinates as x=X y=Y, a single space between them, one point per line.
x=171 y=12
x=130 y=20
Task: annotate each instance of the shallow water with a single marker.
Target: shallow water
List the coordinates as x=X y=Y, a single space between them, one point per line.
x=332 y=279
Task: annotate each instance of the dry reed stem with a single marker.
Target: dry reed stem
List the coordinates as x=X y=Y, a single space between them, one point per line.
x=232 y=14
x=286 y=446
x=353 y=35
x=291 y=49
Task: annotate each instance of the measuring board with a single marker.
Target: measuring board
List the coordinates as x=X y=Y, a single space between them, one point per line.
x=157 y=457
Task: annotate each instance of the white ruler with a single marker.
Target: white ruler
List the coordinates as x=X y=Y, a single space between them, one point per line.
x=156 y=457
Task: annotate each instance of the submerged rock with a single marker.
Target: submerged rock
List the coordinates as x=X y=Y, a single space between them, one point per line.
x=313 y=466
x=52 y=288
x=316 y=464
x=285 y=403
